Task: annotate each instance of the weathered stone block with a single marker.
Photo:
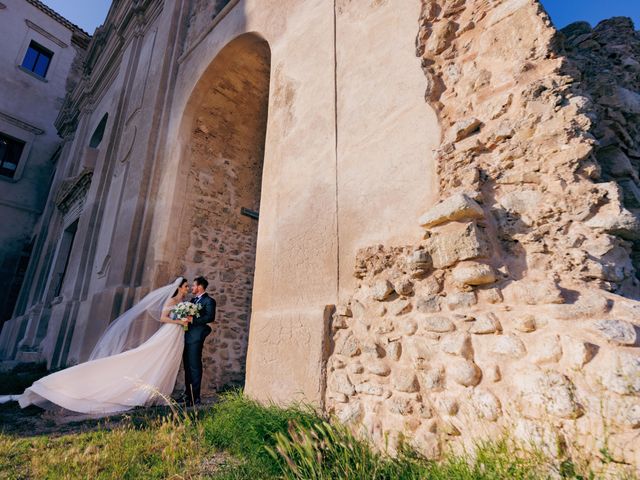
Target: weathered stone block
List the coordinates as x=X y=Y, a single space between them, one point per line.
x=623 y=376
x=419 y=262
x=400 y=307
x=486 y=405
x=615 y=162
x=558 y=392
x=526 y=324
x=350 y=347
x=616 y=331
x=491 y=295
x=548 y=350
x=448 y=405
x=511 y=346
x=379 y=368
x=525 y=204
x=624 y=411
x=457 y=300
x=458 y=344
x=473 y=273
x=429 y=303
x=351 y=413
x=437 y=324
x=539 y=292
x=456 y=242
x=408 y=327
x=400 y=406
x=464 y=128
x=464 y=372
x=403 y=286
x=433 y=379
x=369 y=389
x=486 y=324
x=394 y=350
x=404 y=380
x=455 y=208
x=381 y=290
x=341 y=383
x=576 y=352
x=623 y=99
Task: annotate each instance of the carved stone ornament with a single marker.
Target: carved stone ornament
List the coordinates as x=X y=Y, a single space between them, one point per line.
x=73 y=189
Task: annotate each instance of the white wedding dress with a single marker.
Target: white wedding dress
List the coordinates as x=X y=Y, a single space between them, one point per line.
x=118 y=377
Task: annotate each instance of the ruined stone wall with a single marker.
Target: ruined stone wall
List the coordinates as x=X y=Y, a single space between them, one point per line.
x=607 y=60
x=515 y=313
x=226 y=150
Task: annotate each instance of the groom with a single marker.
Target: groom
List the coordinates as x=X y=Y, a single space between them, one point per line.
x=194 y=340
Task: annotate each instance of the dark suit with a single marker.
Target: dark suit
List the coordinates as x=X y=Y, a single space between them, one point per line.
x=193 y=342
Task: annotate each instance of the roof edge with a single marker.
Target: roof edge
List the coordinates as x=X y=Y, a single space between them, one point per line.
x=59 y=18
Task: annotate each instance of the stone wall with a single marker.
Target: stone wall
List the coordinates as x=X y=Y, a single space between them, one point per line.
x=608 y=62
x=225 y=158
x=515 y=313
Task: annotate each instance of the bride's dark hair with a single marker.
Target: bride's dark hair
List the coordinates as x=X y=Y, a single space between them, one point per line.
x=184 y=280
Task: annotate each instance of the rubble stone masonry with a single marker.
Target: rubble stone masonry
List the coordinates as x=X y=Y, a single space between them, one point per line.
x=518 y=311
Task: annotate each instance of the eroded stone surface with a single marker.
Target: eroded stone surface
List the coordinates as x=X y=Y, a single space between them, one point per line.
x=617 y=331
x=456 y=207
x=531 y=298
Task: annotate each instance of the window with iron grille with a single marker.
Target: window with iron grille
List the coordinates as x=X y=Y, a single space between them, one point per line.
x=10 y=152
x=37 y=59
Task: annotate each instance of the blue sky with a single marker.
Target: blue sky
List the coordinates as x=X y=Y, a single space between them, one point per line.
x=89 y=14
x=564 y=12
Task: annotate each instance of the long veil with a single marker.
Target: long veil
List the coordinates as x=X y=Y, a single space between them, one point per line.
x=136 y=325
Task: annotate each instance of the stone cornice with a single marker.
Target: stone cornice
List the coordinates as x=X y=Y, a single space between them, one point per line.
x=126 y=19
x=46 y=34
x=21 y=124
x=73 y=189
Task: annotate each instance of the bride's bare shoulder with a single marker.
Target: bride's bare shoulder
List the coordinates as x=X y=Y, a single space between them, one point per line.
x=171 y=302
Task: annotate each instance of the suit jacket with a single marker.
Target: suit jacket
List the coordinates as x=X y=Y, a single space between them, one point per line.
x=199 y=329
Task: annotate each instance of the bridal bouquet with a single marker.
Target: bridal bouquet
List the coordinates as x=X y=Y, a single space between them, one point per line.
x=184 y=310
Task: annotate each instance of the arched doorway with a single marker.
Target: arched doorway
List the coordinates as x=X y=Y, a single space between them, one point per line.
x=223 y=131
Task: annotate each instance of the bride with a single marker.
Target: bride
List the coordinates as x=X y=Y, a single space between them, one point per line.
x=134 y=363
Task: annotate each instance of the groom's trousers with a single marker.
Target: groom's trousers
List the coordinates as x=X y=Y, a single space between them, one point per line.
x=192 y=359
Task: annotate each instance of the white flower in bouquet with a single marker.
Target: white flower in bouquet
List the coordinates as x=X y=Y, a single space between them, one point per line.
x=184 y=310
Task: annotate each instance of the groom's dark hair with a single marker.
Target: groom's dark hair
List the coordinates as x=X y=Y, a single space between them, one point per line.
x=202 y=282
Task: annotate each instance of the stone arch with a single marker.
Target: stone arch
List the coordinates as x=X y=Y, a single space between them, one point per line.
x=223 y=136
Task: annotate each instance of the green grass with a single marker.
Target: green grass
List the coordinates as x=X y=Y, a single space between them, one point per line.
x=240 y=439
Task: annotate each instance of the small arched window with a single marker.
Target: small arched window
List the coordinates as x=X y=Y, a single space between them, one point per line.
x=98 y=133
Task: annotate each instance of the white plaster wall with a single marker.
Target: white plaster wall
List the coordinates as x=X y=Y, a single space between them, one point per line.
x=296 y=259
x=386 y=130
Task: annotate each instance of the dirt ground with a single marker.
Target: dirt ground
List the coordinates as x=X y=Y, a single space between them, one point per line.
x=33 y=421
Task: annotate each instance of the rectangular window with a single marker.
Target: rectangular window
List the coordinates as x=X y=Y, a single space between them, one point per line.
x=10 y=152
x=64 y=255
x=37 y=59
